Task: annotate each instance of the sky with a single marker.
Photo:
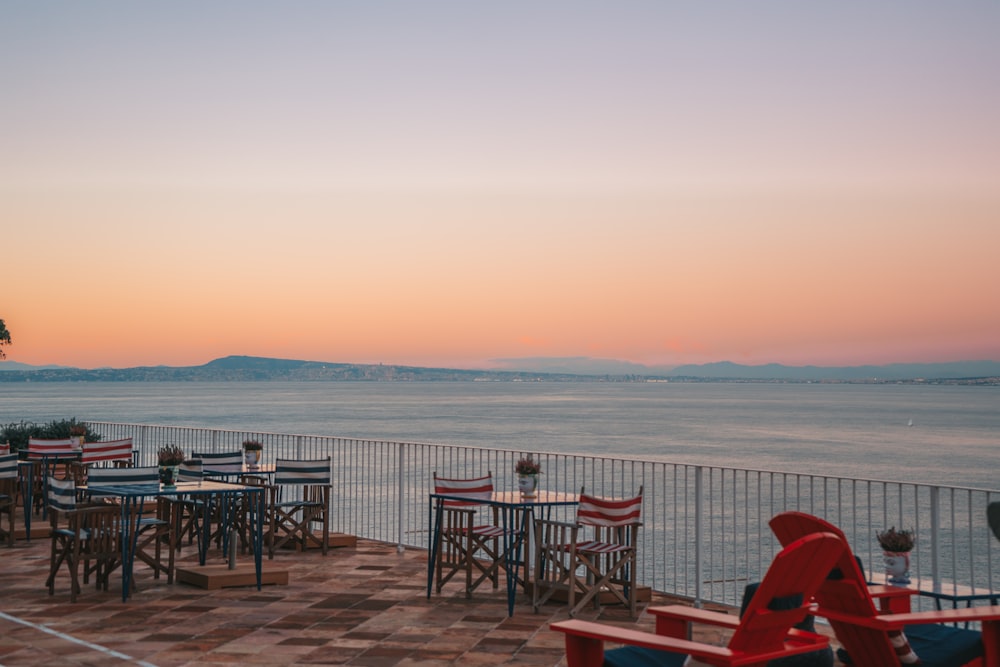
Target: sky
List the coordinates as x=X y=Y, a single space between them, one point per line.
x=459 y=184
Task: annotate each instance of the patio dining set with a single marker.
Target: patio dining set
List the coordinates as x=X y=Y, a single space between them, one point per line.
x=106 y=514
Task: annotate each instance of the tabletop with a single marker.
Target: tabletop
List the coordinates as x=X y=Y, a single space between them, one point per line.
x=513 y=498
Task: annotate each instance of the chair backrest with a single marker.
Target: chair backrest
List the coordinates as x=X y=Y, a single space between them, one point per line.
x=40 y=448
x=218 y=462
x=307 y=472
x=112 y=450
x=8 y=466
x=475 y=487
x=993 y=517
x=61 y=494
x=148 y=476
x=4 y=448
x=609 y=512
x=795 y=574
x=844 y=590
x=191 y=470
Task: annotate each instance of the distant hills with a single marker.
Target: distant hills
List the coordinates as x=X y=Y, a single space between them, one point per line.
x=567 y=369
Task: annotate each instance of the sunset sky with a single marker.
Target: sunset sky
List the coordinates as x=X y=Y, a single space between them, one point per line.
x=460 y=183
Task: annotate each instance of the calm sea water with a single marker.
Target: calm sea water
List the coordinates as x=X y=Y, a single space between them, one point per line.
x=946 y=435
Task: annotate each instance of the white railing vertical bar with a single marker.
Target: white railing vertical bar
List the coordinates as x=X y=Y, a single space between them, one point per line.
x=699 y=517
x=400 y=497
x=935 y=500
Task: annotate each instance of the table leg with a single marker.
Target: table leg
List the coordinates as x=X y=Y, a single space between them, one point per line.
x=256 y=505
x=131 y=516
x=27 y=495
x=435 y=511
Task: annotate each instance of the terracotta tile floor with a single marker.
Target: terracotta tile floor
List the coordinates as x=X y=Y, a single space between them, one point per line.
x=365 y=605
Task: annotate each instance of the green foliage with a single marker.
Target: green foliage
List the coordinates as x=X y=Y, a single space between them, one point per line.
x=4 y=337
x=17 y=433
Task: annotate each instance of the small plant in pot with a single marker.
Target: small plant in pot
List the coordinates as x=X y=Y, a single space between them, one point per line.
x=78 y=433
x=896 y=545
x=527 y=470
x=169 y=457
x=252 y=452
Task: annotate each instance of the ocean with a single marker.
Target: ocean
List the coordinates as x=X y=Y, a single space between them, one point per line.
x=935 y=434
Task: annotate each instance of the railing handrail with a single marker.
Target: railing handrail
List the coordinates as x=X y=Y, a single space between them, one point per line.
x=705 y=526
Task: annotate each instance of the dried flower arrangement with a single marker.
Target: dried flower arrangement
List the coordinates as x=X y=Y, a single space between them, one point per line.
x=895 y=540
x=170 y=455
x=252 y=446
x=528 y=466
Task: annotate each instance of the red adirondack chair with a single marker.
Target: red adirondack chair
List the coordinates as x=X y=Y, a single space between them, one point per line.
x=877 y=639
x=764 y=632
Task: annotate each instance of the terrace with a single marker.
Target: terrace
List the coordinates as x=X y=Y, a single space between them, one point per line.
x=363 y=605
x=704 y=537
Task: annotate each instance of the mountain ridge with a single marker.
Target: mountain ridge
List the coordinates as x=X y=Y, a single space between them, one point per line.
x=248 y=368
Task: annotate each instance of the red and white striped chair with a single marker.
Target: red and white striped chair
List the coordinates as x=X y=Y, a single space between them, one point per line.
x=567 y=559
x=114 y=452
x=466 y=543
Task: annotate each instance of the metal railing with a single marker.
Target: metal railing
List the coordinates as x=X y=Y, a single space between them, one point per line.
x=705 y=532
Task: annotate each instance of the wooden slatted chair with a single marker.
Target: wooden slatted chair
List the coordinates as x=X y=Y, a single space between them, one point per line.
x=873 y=638
x=8 y=496
x=188 y=511
x=765 y=631
x=466 y=542
x=153 y=532
x=224 y=465
x=606 y=558
x=84 y=535
x=111 y=452
x=299 y=498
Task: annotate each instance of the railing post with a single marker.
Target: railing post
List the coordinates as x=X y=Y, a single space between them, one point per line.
x=936 y=538
x=401 y=503
x=699 y=515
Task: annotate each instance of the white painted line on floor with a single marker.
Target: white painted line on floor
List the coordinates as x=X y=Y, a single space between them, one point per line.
x=69 y=638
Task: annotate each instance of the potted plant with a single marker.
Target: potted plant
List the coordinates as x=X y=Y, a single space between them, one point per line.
x=896 y=547
x=527 y=470
x=252 y=452
x=170 y=457
x=77 y=433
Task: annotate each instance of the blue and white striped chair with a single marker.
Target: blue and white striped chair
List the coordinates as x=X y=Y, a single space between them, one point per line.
x=87 y=534
x=154 y=532
x=188 y=511
x=220 y=463
x=298 y=502
x=8 y=496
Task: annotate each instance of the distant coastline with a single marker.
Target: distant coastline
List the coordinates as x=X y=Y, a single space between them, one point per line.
x=261 y=369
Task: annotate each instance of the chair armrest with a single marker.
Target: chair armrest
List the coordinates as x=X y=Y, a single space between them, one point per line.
x=897 y=621
x=673 y=620
x=585 y=644
x=878 y=591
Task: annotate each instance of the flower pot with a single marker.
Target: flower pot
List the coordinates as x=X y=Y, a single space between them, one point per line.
x=252 y=457
x=897 y=567
x=168 y=475
x=527 y=485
